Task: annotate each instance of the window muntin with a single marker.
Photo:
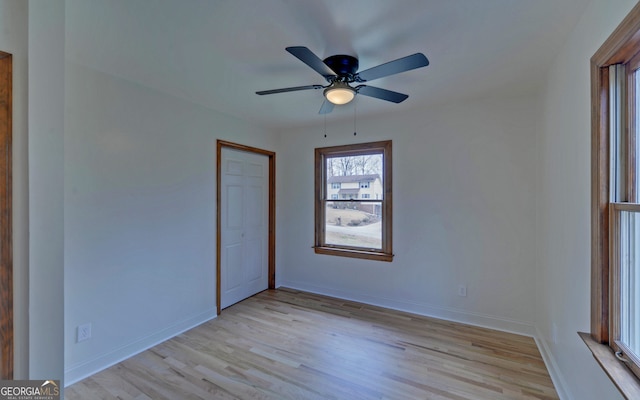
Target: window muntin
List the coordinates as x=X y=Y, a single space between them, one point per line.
x=354 y=224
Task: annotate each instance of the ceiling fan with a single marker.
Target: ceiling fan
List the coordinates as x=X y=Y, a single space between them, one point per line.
x=340 y=71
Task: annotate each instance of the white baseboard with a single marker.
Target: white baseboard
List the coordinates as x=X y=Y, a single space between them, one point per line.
x=552 y=367
x=446 y=313
x=79 y=371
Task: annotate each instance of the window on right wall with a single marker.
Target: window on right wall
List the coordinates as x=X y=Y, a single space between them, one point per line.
x=615 y=233
x=624 y=213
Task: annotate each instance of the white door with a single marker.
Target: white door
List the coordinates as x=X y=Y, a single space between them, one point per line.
x=244 y=261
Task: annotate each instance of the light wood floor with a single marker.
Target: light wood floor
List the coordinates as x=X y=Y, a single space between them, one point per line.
x=286 y=344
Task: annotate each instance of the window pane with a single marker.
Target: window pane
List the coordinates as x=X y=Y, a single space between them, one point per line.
x=630 y=280
x=354 y=177
x=354 y=224
x=617 y=94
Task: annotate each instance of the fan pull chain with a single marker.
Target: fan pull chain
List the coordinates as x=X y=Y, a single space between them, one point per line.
x=354 y=120
x=325 y=125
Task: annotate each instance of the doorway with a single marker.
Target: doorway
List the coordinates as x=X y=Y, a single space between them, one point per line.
x=6 y=257
x=245 y=238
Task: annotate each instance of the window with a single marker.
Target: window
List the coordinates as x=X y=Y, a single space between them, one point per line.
x=352 y=226
x=335 y=185
x=615 y=224
x=334 y=197
x=364 y=185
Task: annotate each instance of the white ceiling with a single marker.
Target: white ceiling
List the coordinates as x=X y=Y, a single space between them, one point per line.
x=219 y=52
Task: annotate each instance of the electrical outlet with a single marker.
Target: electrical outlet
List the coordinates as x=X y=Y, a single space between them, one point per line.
x=83 y=333
x=462 y=291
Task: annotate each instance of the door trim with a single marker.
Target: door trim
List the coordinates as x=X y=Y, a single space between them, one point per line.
x=6 y=246
x=272 y=210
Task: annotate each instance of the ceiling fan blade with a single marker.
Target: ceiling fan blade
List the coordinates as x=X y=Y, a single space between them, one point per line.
x=290 y=89
x=326 y=108
x=308 y=57
x=393 y=67
x=382 y=94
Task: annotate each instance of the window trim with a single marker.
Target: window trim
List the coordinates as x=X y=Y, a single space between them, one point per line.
x=321 y=154
x=619 y=48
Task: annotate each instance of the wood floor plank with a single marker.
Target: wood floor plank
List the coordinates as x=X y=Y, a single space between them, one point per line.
x=287 y=344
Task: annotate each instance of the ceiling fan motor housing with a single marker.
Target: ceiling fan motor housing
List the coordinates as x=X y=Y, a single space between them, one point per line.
x=343 y=65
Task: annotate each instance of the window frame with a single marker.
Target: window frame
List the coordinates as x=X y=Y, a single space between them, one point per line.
x=321 y=154
x=622 y=47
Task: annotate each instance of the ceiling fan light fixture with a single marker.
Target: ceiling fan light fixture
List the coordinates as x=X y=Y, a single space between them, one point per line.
x=339 y=93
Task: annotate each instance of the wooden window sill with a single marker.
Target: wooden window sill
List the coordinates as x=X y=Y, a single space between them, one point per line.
x=620 y=375
x=368 y=255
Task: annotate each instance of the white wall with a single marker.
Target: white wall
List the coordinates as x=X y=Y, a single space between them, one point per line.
x=140 y=204
x=463 y=204
x=46 y=183
x=563 y=205
x=13 y=39
x=139 y=207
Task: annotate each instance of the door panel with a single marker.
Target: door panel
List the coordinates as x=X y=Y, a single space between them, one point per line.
x=233 y=209
x=234 y=167
x=244 y=236
x=255 y=170
x=234 y=275
x=254 y=259
x=254 y=209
